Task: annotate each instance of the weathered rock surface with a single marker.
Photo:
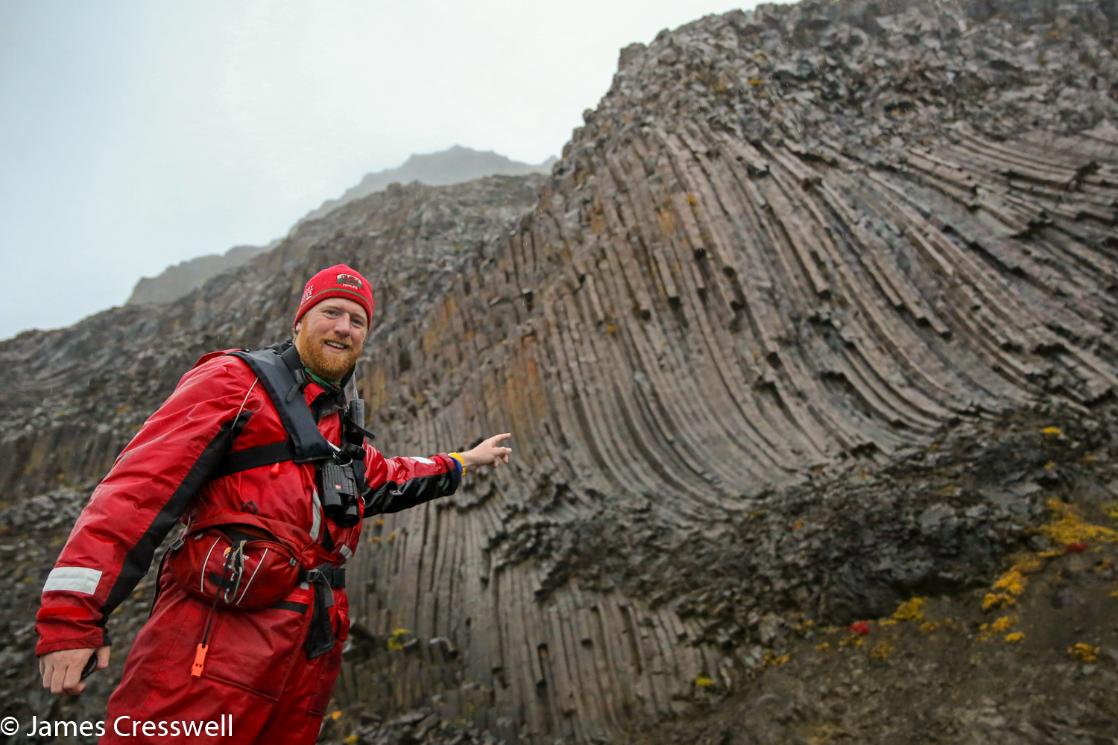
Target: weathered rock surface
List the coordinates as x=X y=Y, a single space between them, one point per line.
x=451 y=166
x=814 y=315
x=175 y=281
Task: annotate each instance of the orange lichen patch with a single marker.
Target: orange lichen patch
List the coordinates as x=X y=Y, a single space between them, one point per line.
x=703 y=681
x=851 y=641
x=1051 y=431
x=1111 y=510
x=1069 y=527
x=1084 y=652
x=928 y=627
x=883 y=650
x=1050 y=465
x=336 y=714
x=351 y=740
x=1014 y=637
x=822 y=646
x=910 y=610
x=886 y=622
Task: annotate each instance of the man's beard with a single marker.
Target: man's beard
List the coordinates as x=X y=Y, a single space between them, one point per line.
x=328 y=366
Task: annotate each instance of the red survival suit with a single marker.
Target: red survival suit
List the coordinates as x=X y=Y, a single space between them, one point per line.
x=256 y=668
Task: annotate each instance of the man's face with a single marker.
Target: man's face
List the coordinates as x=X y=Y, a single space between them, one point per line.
x=330 y=336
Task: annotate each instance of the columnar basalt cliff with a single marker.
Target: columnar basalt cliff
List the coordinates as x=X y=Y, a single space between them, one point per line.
x=813 y=317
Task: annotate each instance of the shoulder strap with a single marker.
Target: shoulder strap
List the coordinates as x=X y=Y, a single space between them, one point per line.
x=281 y=373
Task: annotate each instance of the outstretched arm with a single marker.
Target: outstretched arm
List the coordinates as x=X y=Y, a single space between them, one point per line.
x=399 y=483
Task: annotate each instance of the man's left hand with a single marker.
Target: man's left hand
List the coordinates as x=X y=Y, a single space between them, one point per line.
x=489 y=452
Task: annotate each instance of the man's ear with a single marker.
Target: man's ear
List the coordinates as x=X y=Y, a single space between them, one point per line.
x=295 y=329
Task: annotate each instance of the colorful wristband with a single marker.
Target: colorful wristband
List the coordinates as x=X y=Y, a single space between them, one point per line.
x=461 y=462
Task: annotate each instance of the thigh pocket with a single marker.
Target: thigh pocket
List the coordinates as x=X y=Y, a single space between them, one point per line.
x=255 y=650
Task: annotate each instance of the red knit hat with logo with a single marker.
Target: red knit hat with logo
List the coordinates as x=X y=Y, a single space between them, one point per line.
x=336 y=281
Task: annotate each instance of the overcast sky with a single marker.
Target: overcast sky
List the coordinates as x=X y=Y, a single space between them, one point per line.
x=134 y=135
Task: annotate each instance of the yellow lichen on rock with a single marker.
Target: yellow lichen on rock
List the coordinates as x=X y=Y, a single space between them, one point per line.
x=1003 y=623
x=883 y=650
x=910 y=610
x=1084 y=652
x=1012 y=582
x=1069 y=526
x=396 y=639
x=1014 y=637
x=997 y=600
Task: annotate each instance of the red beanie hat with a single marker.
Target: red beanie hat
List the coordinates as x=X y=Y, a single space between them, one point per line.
x=336 y=281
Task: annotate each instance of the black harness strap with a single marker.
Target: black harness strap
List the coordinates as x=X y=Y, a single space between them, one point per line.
x=264 y=455
x=282 y=376
x=320 y=636
x=281 y=373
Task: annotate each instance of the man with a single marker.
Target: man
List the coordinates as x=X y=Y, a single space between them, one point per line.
x=267 y=443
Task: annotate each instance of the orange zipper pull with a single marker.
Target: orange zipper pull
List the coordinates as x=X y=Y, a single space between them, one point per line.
x=199 y=660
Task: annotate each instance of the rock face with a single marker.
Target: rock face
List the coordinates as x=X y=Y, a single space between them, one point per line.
x=814 y=315
x=177 y=280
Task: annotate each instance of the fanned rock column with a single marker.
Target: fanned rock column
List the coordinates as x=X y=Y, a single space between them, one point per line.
x=784 y=243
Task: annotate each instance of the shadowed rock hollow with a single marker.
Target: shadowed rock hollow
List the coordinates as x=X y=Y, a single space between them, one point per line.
x=814 y=315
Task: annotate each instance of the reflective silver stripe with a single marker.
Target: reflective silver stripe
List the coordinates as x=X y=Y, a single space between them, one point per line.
x=205 y=562
x=73 y=579
x=316 y=515
x=428 y=461
x=259 y=564
x=344 y=550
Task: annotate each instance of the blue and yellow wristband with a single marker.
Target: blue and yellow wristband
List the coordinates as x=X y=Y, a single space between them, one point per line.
x=461 y=463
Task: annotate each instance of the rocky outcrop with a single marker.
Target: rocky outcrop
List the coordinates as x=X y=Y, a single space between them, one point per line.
x=451 y=166
x=175 y=281
x=814 y=315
